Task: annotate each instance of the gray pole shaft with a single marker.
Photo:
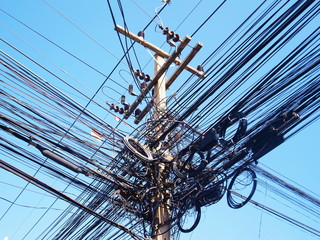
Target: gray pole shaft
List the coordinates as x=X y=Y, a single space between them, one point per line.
x=162 y=215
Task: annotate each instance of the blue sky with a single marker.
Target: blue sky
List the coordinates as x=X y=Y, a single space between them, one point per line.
x=97 y=44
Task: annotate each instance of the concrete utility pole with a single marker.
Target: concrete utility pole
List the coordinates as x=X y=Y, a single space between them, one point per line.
x=160 y=101
x=161 y=221
x=162 y=213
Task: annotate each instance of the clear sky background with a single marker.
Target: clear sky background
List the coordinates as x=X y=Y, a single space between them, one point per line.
x=98 y=45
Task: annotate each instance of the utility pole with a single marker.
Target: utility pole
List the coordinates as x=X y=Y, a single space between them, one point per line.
x=161 y=220
x=162 y=211
x=160 y=101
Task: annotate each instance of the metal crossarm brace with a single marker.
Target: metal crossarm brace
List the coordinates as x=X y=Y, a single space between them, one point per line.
x=144 y=112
